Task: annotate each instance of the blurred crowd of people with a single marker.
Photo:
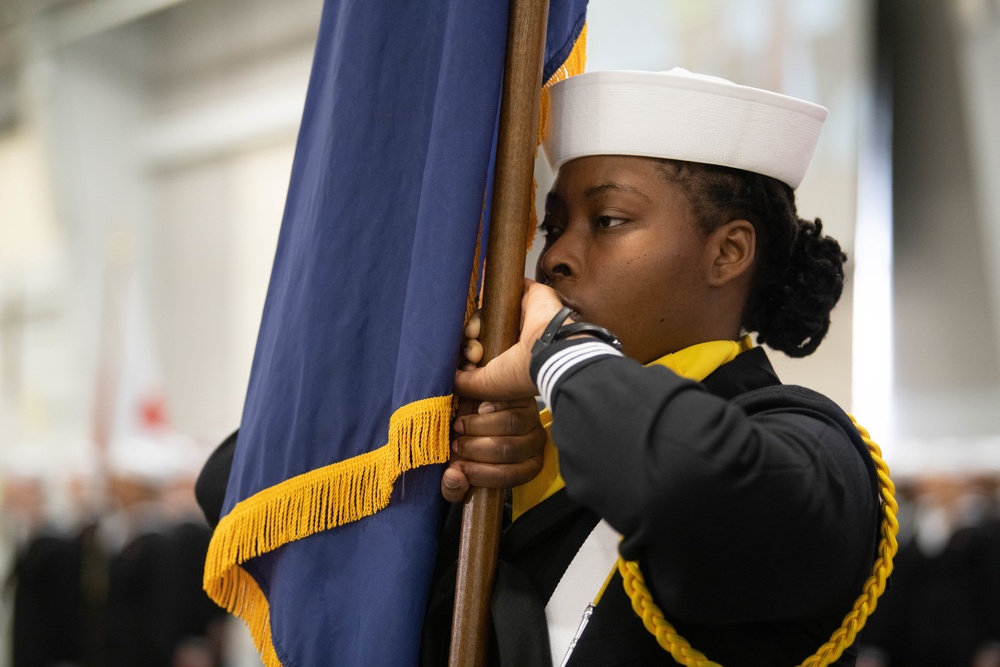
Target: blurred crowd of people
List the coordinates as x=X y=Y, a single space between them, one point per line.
x=114 y=578
x=942 y=607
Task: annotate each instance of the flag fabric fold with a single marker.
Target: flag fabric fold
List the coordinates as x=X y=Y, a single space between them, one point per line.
x=330 y=521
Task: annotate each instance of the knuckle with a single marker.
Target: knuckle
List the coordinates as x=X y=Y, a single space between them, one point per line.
x=515 y=476
x=506 y=451
x=510 y=423
x=482 y=475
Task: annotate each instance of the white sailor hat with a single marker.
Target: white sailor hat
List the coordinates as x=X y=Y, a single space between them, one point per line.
x=682 y=116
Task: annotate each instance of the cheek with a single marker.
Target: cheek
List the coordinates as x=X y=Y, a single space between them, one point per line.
x=652 y=287
x=651 y=273
x=632 y=284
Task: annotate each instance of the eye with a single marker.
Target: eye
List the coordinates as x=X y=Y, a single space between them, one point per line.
x=609 y=221
x=550 y=230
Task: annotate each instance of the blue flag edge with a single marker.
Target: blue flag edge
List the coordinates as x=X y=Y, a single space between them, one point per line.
x=419 y=435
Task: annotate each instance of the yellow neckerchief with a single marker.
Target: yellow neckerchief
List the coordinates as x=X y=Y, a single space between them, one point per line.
x=694 y=363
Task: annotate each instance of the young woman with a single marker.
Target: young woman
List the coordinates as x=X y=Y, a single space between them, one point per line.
x=751 y=507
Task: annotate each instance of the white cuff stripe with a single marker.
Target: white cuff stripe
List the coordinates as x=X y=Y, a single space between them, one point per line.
x=559 y=362
x=554 y=367
x=562 y=361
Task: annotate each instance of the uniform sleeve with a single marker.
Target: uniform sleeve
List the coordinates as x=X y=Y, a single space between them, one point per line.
x=733 y=516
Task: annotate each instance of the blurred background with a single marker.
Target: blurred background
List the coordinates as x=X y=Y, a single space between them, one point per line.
x=145 y=150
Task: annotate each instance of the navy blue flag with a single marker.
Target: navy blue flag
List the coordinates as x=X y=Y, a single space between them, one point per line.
x=329 y=527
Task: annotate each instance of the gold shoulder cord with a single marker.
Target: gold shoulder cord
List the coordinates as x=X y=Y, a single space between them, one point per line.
x=681 y=650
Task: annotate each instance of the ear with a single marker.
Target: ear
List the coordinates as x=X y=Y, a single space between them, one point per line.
x=731 y=252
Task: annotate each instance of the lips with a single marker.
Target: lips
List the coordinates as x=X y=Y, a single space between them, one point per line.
x=569 y=304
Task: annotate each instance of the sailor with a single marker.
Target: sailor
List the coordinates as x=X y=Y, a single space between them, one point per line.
x=750 y=507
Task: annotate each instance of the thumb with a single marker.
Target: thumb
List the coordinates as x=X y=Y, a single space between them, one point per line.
x=503 y=378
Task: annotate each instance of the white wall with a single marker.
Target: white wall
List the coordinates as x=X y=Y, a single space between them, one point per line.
x=172 y=124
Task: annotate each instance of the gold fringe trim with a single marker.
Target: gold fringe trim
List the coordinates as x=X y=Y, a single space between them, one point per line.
x=249 y=603
x=348 y=490
x=574 y=64
x=314 y=502
x=475 y=298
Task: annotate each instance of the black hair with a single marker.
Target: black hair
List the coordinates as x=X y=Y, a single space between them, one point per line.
x=798 y=272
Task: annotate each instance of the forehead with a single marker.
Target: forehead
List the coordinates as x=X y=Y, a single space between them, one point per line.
x=594 y=177
x=596 y=166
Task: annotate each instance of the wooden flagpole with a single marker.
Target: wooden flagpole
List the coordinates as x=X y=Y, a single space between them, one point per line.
x=502 y=287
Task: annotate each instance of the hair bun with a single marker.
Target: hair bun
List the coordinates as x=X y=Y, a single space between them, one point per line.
x=795 y=314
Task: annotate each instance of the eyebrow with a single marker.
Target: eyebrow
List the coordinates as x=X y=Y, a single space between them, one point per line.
x=621 y=187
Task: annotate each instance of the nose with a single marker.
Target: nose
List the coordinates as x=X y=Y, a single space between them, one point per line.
x=560 y=260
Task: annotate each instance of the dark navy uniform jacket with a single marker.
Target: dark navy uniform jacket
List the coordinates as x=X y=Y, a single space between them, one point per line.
x=751 y=507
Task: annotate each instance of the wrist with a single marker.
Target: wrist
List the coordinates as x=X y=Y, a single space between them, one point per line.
x=565 y=346
x=562 y=327
x=548 y=333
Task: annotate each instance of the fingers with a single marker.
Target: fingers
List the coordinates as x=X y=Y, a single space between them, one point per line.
x=466 y=406
x=539 y=304
x=494 y=450
x=494 y=476
x=472 y=349
x=473 y=327
x=499 y=446
x=505 y=418
x=454 y=484
x=504 y=378
x=460 y=476
x=500 y=434
x=507 y=376
x=473 y=352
